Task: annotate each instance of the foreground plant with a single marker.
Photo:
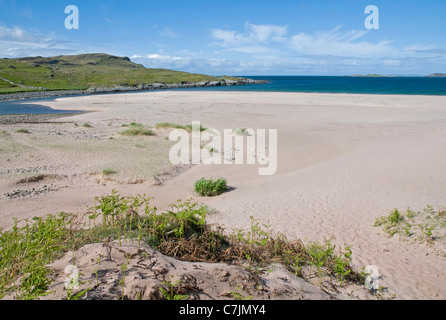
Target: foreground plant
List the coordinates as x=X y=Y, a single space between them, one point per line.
x=181 y=232
x=26 y=249
x=170 y=293
x=428 y=225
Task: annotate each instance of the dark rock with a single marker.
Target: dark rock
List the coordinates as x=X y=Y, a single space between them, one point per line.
x=126 y=88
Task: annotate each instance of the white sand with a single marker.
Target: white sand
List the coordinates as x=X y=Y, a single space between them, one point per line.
x=343 y=160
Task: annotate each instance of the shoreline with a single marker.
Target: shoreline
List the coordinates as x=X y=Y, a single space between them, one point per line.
x=123 y=89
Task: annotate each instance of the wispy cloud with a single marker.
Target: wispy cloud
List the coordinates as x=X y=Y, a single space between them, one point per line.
x=334 y=51
x=341 y=44
x=253 y=34
x=18 y=42
x=168 y=33
x=263 y=38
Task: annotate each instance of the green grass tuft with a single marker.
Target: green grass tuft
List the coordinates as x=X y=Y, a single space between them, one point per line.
x=137 y=129
x=23 y=131
x=191 y=127
x=107 y=172
x=168 y=125
x=210 y=188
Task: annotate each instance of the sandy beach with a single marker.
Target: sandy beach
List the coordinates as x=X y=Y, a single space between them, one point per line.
x=343 y=161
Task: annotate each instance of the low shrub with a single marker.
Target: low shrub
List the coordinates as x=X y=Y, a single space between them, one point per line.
x=137 y=129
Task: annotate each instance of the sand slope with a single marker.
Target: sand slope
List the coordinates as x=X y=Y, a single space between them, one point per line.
x=343 y=160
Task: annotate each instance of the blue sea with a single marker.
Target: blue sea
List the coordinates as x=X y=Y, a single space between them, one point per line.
x=357 y=85
x=21 y=107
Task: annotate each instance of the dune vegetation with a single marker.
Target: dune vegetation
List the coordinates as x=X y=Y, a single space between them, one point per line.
x=181 y=232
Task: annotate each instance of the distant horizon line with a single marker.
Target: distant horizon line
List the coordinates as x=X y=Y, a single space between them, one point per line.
x=353 y=75
x=246 y=75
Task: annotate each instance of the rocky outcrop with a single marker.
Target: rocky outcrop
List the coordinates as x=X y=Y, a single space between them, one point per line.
x=127 y=88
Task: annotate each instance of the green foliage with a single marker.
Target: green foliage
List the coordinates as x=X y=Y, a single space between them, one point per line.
x=71 y=296
x=181 y=231
x=80 y=72
x=26 y=249
x=238 y=295
x=122 y=281
x=108 y=171
x=413 y=225
x=256 y=235
x=210 y=187
x=137 y=129
x=241 y=132
x=320 y=254
x=23 y=131
x=168 y=125
x=170 y=292
x=191 y=127
x=342 y=263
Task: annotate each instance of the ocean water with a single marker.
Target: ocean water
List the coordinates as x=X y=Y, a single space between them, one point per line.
x=22 y=107
x=358 y=85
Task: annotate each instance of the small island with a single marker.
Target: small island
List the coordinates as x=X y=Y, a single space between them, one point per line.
x=437 y=75
x=369 y=76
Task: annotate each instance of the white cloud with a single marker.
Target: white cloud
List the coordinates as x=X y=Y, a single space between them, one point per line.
x=18 y=42
x=157 y=56
x=264 y=33
x=392 y=63
x=341 y=44
x=168 y=33
x=253 y=34
x=274 y=38
x=15 y=34
x=337 y=51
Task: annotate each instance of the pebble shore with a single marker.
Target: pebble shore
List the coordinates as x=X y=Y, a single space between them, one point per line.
x=33 y=118
x=33 y=192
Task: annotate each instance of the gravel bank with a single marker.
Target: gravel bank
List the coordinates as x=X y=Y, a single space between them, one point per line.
x=33 y=118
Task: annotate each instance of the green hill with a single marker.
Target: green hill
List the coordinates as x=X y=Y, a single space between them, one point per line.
x=81 y=72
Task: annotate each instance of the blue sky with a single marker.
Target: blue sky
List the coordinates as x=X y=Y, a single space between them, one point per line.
x=244 y=37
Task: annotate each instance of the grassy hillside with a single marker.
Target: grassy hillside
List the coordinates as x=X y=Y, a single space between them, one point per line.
x=82 y=72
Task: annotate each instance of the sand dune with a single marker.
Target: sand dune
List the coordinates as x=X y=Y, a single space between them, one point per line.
x=343 y=160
